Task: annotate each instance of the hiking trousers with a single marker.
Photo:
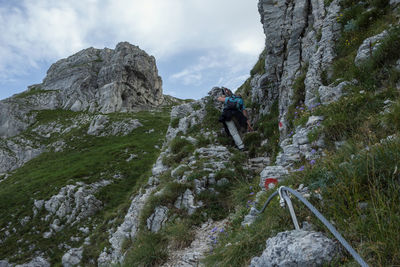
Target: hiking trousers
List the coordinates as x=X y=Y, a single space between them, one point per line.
x=235 y=134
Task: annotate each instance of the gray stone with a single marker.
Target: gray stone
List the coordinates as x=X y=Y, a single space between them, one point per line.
x=277 y=172
x=159 y=167
x=157 y=219
x=314 y=120
x=36 y=262
x=100 y=126
x=368 y=47
x=186 y=201
x=97 y=125
x=74 y=203
x=297 y=248
x=331 y=93
x=127 y=230
x=250 y=218
x=188 y=117
x=72 y=258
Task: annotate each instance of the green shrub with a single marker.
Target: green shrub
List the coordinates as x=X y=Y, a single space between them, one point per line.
x=196 y=106
x=149 y=249
x=175 y=122
x=268 y=126
x=210 y=120
x=259 y=67
x=392 y=118
x=203 y=141
x=179 y=233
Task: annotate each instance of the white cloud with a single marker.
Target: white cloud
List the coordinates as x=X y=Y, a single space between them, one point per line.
x=34 y=32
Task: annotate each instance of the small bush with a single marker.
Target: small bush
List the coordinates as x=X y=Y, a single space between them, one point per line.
x=179 y=234
x=175 y=122
x=259 y=67
x=149 y=250
x=268 y=126
x=178 y=144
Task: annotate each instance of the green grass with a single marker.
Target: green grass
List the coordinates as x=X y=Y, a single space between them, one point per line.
x=34 y=91
x=268 y=126
x=149 y=250
x=88 y=159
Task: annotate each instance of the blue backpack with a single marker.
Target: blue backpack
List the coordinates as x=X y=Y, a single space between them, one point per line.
x=234 y=103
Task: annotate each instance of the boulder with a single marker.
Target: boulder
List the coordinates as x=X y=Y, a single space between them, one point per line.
x=157 y=219
x=36 y=262
x=72 y=258
x=186 y=201
x=297 y=248
x=368 y=47
x=277 y=172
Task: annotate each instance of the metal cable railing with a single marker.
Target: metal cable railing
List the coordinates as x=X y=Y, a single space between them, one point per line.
x=284 y=197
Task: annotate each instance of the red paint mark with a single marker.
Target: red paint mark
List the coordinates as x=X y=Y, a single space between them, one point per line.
x=270 y=183
x=280 y=124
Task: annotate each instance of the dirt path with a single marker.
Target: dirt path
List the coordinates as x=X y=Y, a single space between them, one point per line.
x=201 y=245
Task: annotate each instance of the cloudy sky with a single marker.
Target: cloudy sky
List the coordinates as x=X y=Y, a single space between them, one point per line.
x=198 y=44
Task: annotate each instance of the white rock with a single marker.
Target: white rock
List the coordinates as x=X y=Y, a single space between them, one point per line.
x=72 y=258
x=368 y=47
x=157 y=219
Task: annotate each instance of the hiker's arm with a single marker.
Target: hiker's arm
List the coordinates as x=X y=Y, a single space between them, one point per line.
x=248 y=121
x=221 y=99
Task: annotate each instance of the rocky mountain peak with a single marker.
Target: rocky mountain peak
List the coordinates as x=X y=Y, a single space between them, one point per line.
x=106 y=80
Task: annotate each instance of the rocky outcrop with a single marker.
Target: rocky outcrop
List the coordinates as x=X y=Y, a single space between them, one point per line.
x=300 y=36
x=101 y=126
x=297 y=248
x=298 y=145
x=72 y=257
x=73 y=204
x=369 y=47
x=106 y=80
x=157 y=219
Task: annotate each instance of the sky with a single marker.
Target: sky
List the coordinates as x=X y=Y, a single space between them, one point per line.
x=198 y=44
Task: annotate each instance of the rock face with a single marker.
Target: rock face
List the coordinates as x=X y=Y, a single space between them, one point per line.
x=106 y=80
x=296 y=248
x=368 y=47
x=299 y=38
x=157 y=219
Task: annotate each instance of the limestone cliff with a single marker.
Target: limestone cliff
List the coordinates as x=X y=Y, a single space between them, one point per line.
x=96 y=80
x=300 y=37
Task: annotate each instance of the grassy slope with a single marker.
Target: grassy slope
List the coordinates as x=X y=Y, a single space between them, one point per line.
x=86 y=159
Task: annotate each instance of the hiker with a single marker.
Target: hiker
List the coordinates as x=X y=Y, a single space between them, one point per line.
x=234 y=111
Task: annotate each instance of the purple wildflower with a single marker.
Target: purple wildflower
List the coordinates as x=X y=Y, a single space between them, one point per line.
x=301 y=108
x=312 y=162
x=300 y=169
x=222 y=230
x=313 y=151
x=214 y=229
x=252 y=193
